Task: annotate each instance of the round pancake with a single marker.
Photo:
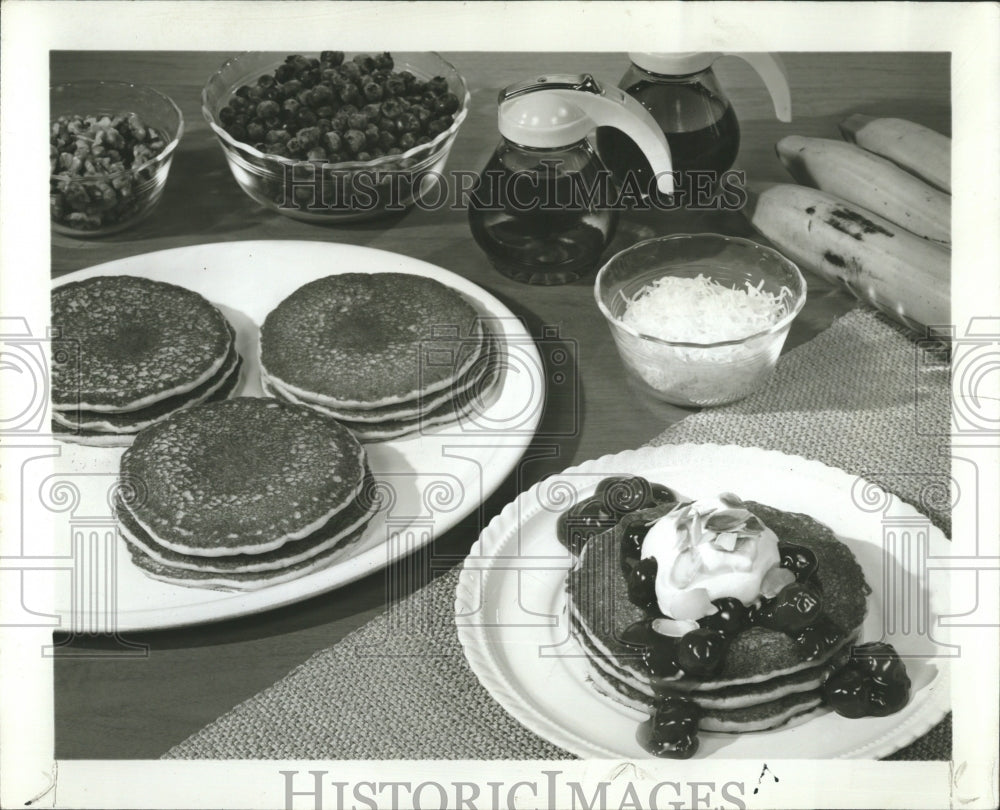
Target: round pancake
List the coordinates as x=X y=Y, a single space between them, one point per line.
x=90 y=438
x=361 y=340
x=451 y=411
x=469 y=385
x=221 y=385
x=130 y=342
x=598 y=600
x=465 y=402
x=245 y=580
x=353 y=517
x=241 y=476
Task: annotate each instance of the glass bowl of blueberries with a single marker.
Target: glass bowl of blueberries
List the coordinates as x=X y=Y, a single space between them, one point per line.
x=335 y=137
x=110 y=149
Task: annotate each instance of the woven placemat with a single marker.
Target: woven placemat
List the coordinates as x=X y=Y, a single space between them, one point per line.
x=858 y=397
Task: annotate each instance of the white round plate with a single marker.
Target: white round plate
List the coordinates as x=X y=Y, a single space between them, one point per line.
x=512 y=620
x=432 y=480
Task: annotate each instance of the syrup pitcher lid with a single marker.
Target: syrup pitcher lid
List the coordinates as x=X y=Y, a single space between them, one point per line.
x=769 y=67
x=559 y=110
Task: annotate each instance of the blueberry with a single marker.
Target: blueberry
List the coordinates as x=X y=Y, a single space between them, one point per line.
x=798 y=559
x=731 y=618
x=306 y=117
x=795 y=607
x=887 y=698
x=333 y=142
x=660 y=657
x=320 y=95
x=438 y=85
x=364 y=62
x=332 y=58
x=407 y=122
x=349 y=94
x=674 y=729
x=308 y=137
x=226 y=115
x=391 y=108
x=818 y=638
x=701 y=652
x=642 y=584
x=758 y=612
x=255 y=131
x=880 y=661
x=639 y=634
x=268 y=109
x=847 y=692
x=873 y=683
x=624 y=494
x=582 y=521
x=632 y=538
x=291 y=88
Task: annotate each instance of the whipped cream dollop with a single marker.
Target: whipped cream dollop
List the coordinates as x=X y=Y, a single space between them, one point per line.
x=709 y=549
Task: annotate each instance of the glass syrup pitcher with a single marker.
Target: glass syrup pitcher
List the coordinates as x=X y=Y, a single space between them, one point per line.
x=542 y=208
x=682 y=93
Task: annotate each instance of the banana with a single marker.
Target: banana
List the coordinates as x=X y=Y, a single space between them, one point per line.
x=860 y=177
x=904 y=276
x=916 y=148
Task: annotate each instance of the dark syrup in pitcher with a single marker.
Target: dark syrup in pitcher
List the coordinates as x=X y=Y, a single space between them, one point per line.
x=701 y=129
x=533 y=230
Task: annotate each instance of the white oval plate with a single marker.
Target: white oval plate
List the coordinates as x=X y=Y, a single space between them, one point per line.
x=512 y=621
x=436 y=478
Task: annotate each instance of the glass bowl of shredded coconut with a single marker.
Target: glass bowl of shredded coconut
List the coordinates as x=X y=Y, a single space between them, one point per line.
x=699 y=319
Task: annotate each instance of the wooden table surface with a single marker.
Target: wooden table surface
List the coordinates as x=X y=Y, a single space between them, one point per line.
x=123 y=708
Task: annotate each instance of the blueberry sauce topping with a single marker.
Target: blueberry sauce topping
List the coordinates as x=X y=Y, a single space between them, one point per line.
x=872 y=683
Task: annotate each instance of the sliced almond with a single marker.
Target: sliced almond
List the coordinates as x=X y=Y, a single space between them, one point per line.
x=731 y=500
x=724 y=520
x=726 y=541
x=673 y=627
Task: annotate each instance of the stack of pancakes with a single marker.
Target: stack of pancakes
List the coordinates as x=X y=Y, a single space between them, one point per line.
x=241 y=494
x=764 y=682
x=130 y=352
x=385 y=354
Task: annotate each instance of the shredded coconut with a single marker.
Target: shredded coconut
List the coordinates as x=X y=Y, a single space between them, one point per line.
x=700 y=310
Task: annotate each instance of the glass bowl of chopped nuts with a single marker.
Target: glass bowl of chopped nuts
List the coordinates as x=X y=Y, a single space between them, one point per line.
x=336 y=137
x=110 y=149
x=699 y=319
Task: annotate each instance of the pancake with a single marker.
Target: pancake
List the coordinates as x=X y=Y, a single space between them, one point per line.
x=764 y=681
x=368 y=340
x=467 y=400
x=240 y=476
x=470 y=385
x=785 y=711
x=354 y=517
x=218 y=387
x=130 y=342
x=247 y=580
x=90 y=438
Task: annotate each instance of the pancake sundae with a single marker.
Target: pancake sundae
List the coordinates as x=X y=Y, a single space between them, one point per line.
x=720 y=615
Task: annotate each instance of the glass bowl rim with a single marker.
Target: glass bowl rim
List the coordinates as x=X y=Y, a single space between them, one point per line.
x=777 y=326
x=159 y=157
x=432 y=148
